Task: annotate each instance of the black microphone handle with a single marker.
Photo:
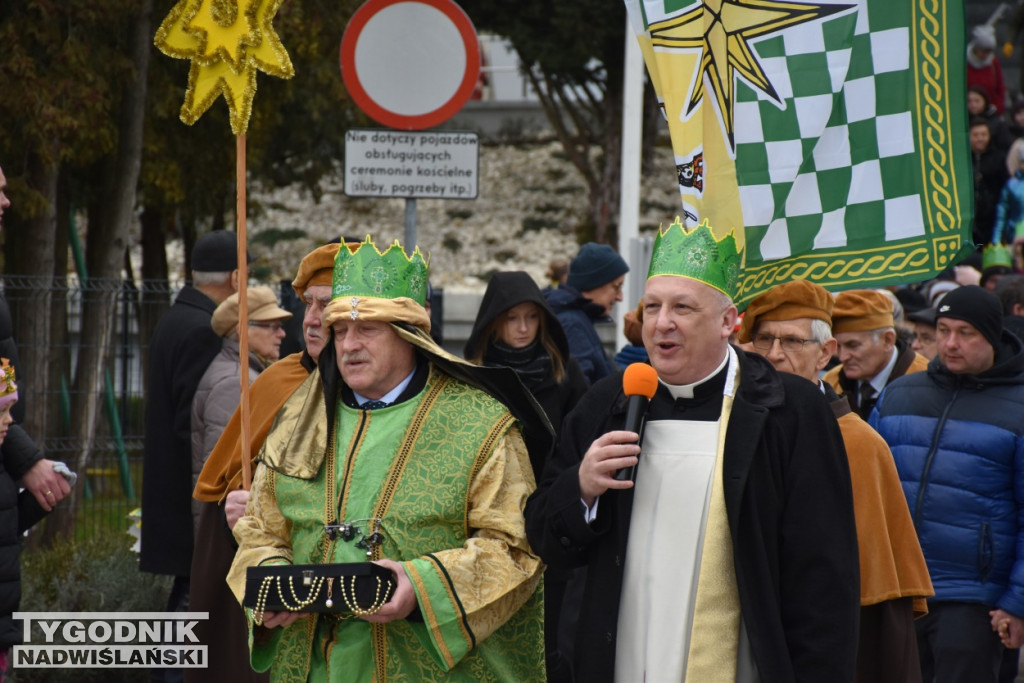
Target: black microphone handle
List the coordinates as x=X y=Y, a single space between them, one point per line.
x=636 y=409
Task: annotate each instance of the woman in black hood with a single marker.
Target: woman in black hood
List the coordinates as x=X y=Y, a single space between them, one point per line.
x=515 y=328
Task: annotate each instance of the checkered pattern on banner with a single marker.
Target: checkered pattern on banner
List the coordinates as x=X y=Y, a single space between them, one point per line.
x=836 y=165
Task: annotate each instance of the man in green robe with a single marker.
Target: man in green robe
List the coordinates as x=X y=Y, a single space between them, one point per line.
x=424 y=456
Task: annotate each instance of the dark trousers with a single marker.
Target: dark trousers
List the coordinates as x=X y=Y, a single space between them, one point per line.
x=1008 y=669
x=177 y=601
x=957 y=644
x=559 y=668
x=225 y=631
x=887 y=648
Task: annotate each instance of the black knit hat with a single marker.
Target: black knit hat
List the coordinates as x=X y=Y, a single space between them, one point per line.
x=595 y=265
x=977 y=306
x=217 y=252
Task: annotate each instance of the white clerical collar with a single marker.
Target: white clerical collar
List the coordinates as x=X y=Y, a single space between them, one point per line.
x=392 y=395
x=686 y=390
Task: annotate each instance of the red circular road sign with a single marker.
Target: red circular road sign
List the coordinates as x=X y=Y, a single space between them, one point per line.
x=410 y=64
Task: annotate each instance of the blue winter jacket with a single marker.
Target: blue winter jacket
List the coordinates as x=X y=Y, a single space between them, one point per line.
x=578 y=315
x=1009 y=210
x=958 y=443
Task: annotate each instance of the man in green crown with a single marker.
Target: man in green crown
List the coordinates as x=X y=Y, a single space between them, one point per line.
x=422 y=462
x=733 y=555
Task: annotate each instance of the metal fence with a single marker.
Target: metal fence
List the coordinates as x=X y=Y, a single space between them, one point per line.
x=51 y=334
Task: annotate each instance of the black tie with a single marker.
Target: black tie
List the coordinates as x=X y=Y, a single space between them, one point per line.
x=373 y=405
x=867 y=398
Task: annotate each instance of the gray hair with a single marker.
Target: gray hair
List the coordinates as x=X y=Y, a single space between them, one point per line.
x=724 y=300
x=876 y=335
x=821 y=331
x=201 y=278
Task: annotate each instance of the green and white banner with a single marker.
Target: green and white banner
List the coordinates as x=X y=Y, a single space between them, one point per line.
x=831 y=136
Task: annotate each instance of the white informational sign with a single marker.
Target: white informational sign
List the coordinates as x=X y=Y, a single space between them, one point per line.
x=414 y=165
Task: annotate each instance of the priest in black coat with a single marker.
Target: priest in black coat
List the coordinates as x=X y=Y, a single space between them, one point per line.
x=763 y=580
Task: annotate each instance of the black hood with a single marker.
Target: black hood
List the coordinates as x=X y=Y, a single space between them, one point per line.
x=504 y=291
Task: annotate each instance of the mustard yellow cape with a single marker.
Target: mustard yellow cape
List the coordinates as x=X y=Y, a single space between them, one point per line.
x=891 y=562
x=223 y=469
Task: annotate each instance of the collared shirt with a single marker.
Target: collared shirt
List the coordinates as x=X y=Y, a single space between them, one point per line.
x=392 y=395
x=687 y=390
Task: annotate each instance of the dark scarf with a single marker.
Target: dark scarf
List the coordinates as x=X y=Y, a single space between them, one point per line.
x=531 y=363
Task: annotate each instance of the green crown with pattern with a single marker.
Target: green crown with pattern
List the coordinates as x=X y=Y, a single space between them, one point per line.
x=367 y=272
x=697 y=255
x=996 y=255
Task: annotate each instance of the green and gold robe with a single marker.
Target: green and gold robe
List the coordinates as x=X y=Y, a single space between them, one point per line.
x=448 y=474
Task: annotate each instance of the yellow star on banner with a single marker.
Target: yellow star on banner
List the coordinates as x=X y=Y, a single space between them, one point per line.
x=722 y=31
x=227 y=41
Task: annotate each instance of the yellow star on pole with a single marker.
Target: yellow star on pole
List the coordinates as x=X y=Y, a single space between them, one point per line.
x=227 y=41
x=722 y=31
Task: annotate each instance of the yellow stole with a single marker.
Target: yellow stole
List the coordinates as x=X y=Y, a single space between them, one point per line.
x=714 y=635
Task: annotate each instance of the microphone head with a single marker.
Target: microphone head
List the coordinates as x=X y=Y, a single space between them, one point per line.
x=640 y=379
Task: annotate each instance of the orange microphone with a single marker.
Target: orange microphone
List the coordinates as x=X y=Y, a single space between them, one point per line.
x=639 y=382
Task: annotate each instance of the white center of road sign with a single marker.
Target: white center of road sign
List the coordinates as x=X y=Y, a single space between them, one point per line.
x=419 y=42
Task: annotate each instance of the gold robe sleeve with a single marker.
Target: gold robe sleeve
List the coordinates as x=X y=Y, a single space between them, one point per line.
x=263 y=533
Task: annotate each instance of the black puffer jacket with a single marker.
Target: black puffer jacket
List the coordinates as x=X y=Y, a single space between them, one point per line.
x=19 y=453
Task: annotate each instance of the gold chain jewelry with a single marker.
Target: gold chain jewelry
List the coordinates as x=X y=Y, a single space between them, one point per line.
x=329 y=603
x=261 y=600
x=353 y=604
x=299 y=604
x=314 y=592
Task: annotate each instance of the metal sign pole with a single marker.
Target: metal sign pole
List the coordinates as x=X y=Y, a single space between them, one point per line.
x=410 y=225
x=629 y=193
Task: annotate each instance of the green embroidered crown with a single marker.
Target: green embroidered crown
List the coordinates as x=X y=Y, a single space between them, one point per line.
x=996 y=255
x=367 y=272
x=697 y=255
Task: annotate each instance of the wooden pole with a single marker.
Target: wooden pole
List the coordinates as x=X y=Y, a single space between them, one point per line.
x=243 y=308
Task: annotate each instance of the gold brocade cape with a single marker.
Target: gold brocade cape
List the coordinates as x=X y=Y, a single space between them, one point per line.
x=448 y=475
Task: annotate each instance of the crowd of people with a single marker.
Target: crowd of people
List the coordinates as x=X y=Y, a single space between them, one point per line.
x=825 y=487
x=996 y=128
